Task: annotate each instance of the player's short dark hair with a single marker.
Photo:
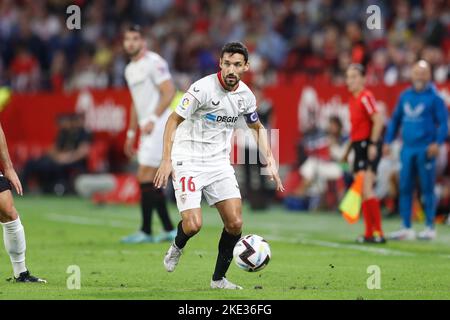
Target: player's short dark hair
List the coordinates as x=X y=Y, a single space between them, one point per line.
x=235 y=47
x=359 y=67
x=134 y=28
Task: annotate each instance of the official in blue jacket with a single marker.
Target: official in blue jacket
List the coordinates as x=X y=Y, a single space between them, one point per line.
x=422 y=115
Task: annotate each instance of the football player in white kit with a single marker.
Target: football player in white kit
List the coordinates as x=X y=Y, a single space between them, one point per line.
x=197 y=145
x=152 y=90
x=13 y=232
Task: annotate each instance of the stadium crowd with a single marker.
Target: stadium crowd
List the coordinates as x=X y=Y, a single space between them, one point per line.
x=38 y=51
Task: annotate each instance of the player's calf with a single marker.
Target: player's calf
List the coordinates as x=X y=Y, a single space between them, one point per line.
x=15 y=245
x=8 y=212
x=225 y=256
x=14 y=238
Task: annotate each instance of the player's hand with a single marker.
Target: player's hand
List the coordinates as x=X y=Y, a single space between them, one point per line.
x=163 y=173
x=148 y=128
x=372 y=152
x=273 y=174
x=386 y=150
x=14 y=179
x=433 y=150
x=128 y=148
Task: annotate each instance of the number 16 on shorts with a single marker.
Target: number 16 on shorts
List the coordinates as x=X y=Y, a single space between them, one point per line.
x=187 y=184
x=186 y=193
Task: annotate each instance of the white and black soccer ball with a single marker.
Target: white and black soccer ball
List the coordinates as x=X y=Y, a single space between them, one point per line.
x=252 y=253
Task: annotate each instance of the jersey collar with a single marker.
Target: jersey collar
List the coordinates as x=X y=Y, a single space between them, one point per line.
x=429 y=86
x=219 y=76
x=141 y=55
x=359 y=94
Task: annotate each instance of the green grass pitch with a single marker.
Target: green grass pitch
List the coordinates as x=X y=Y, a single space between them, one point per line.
x=313 y=257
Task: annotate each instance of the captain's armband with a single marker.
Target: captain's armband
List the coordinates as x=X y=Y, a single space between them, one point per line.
x=251 y=117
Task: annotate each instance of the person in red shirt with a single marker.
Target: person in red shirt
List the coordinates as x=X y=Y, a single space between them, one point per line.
x=366 y=129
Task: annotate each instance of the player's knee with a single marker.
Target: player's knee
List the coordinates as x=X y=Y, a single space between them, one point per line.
x=234 y=226
x=8 y=213
x=193 y=227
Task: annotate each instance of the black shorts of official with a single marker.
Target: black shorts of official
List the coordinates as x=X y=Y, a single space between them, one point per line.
x=4 y=184
x=361 y=161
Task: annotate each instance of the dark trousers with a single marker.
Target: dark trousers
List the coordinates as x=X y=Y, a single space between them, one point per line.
x=48 y=172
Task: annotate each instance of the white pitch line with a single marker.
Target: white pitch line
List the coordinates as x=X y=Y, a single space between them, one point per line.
x=337 y=245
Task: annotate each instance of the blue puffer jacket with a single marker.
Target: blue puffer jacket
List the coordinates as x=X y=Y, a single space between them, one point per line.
x=422 y=116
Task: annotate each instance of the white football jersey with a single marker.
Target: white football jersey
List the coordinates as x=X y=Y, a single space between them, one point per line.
x=144 y=77
x=210 y=112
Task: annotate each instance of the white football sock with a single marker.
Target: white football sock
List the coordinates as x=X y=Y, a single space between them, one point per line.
x=14 y=238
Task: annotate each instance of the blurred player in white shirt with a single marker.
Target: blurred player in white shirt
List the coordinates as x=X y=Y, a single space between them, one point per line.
x=152 y=90
x=197 y=152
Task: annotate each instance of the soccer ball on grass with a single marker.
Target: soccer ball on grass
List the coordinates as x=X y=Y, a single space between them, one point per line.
x=252 y=253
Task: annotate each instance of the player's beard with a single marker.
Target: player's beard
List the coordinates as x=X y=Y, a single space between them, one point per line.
x=231 y=81
x=134 y=53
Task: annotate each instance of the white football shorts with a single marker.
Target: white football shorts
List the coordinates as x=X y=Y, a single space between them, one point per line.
x=151 y=146
x=190 y=182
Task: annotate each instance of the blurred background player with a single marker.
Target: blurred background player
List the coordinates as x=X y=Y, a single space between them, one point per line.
x=422 y=114
x=13 y=232
x=199 y=156
x=366 y=128
x=152 y=90
x=322 y=151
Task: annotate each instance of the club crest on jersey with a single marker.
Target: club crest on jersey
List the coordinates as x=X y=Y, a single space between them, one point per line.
x=183 y=197
x=223 y=119
x=241 y=106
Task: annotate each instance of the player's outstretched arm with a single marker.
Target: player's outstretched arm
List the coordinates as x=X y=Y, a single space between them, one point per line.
x=8 y=168
x=165 y=168
x=260 y=134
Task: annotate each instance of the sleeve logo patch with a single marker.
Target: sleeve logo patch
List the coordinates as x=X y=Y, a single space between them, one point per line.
x=185 y=102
